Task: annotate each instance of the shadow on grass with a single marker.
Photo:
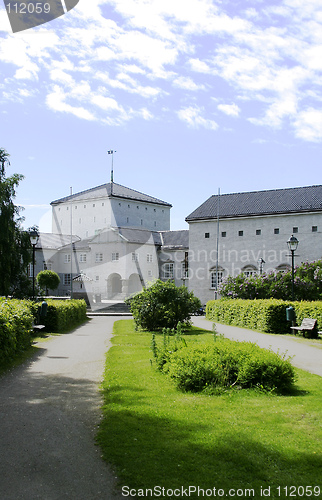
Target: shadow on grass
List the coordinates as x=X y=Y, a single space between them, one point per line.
x=161 y=449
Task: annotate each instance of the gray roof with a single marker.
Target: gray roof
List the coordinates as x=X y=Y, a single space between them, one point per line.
x=118 y=191
x=175 y=239
x=54 y=241
x=277 y=201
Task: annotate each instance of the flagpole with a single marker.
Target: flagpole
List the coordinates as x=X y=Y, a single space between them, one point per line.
x=111 y=152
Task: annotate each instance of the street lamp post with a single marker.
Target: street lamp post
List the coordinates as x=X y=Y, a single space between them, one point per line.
x=292 y=244
x=34 y=237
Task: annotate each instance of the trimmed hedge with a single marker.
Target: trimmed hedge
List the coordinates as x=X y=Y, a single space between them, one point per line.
x=63 y=315
x=17 y=317
x=15 y=327
x=267 y=315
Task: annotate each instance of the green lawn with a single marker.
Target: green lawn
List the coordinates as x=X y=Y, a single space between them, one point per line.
x=243 y=441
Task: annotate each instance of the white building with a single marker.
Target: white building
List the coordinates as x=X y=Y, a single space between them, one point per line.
x=251 y=231
x=122 y=240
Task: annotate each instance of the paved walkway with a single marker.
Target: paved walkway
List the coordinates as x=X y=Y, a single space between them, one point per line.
x=49 y=414
x=307 y=354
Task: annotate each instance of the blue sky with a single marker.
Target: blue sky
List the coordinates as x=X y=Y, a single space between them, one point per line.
x=194 y=95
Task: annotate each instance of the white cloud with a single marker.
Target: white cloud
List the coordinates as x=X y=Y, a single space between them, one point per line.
x=192 y=116
x=229 y=109
x=308 y=125
x=56 y=101
x=187 y=83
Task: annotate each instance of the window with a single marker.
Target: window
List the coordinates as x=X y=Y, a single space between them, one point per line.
x=258 y=232
x=84 y=206
x=213 y=280
x=67 y=279
x=94 y=219
x=103 y=204
x=149 y=257
x=207 y=235
x=276 y=230
x=67 y=258
x=135 y=257
x=240 y=233
x=155 y=223
x=250 y=272
x=115 y=256
x=141 y=222
x=99 y=257
x=184 y=270
x=82 y=257
x=75 y=207
x=93 y=205
x=295 y=229
x=30 y=270
x=79 y=221
x=314 y=229
x=150 y=274
x=97 y=278
x=223 y=234
x=168 y=270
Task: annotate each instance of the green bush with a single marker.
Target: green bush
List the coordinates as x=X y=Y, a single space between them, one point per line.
x=15 y=327
x=226 y=364
x=64 y=314
x=278 y=285
x=163 y=304
x=268 y=315
x=264 y=315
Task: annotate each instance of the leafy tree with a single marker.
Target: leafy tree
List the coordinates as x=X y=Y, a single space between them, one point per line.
x=307 y=284
x=163 y=305
x=14 y=242
x=48 y=280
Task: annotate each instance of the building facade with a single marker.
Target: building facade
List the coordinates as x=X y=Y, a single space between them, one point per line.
x=250 y=232
x=121 y=240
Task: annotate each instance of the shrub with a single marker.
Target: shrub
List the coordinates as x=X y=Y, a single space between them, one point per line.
x=264 y=315
x=226 y=364
x=63 y=315
x=15 y=327
x=163 y=304
x=278 y=285
x=267 y=316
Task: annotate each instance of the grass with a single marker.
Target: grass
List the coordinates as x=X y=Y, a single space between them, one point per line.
x=242 y=440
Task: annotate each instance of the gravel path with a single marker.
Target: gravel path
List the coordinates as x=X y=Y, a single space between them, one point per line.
x=306 y=354
x=49 y=414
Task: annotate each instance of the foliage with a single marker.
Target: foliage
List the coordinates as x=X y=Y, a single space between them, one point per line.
x=14 y=242
x=15 y=327
x=48 y=280
x=268 y=315
x=163 y=304
x=222 y=364
x=153 y=434
x=63 y=315
x=278 y=285
x=262 y=315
